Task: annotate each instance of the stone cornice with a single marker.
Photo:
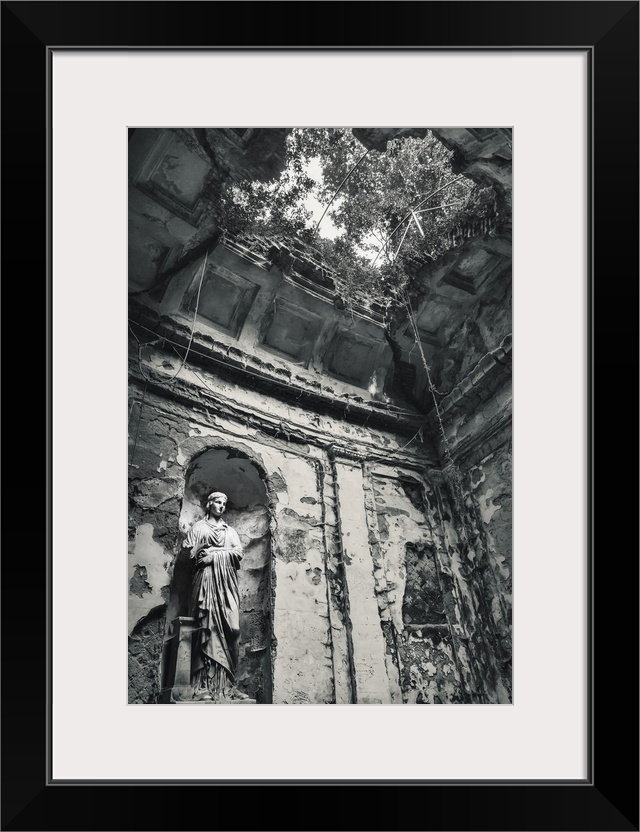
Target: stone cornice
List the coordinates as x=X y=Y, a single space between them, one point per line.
x=198 y=401
x=487 y=376
x=252 y=372
x=301 y=264
x=485 y=393
x=475 y=447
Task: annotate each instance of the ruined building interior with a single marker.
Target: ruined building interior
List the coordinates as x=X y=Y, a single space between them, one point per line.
x=373 y=501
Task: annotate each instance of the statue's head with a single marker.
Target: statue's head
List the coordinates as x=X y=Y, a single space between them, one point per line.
x=216 y=503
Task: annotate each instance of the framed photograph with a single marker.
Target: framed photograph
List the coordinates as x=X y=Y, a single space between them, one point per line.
x=307 y=299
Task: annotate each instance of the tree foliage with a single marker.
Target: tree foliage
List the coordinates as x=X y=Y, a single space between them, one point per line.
x=381 y=245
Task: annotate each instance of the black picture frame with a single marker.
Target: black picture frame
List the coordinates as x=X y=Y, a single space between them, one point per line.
x=608 y=798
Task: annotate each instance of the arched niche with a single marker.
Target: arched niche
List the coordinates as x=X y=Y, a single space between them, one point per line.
x=239 y=477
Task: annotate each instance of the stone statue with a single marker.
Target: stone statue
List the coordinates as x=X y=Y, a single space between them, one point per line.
x=215 y=603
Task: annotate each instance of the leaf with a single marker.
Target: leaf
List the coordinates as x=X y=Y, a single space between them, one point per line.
x=371 y=203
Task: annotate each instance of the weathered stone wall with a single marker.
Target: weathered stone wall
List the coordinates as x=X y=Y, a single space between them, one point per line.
x=175 y=179
x=315 y=513
x=304 y=668
x=368 y=579
x=465 y=561
x=371 y=574
x=475 y=503
x=478 y=326
x=417 y=608
x=490 y=482
x=443 y=584
x=145 y=655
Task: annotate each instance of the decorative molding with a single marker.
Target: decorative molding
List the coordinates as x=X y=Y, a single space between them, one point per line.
x=479 y=384
x=474 y=448
x=230 y=318
x=253 y=373
x=297 y=436
x=144 y=180
x=345 y=370
x=276 y=327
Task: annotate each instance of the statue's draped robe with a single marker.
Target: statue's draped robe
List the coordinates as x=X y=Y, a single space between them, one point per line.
x=215 y=603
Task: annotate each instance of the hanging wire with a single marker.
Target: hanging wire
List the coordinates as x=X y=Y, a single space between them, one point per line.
x=193 y=325
x=395 y=256
x=419 y=432
x=389 y=408
x=415 y=208
x=339 y=188
x=431 y=386
x=446 y=205
x=452 y=471
x=140 y=346
x=173 y=378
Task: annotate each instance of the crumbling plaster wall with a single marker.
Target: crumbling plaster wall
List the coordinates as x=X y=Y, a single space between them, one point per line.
x=418 y=609
x=341 y=517
x=473 y=328
x=465 y=553
x=251 y=343
x=322 y=582
x=476 y=508
x=312 y=500
x=175 y=179
x=167 y=441
x=490 y=482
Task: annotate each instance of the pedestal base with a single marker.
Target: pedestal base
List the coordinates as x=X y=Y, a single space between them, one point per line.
x=178 y=689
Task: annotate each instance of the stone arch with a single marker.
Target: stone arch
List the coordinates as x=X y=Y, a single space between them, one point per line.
x=231 y=467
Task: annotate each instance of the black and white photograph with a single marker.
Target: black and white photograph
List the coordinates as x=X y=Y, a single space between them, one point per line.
x=320 y=433
x=350 y=369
